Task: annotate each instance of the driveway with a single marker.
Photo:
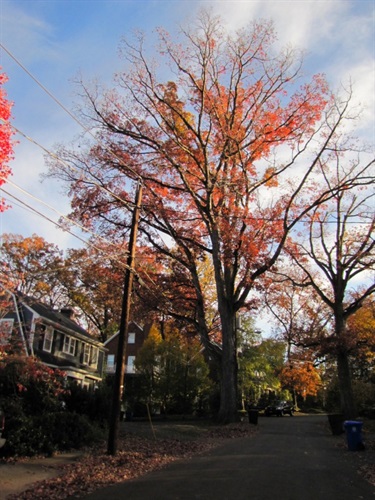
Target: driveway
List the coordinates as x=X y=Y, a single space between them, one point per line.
x=291 y=458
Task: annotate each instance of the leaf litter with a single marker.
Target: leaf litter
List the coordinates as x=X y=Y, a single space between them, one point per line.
x=136 y=456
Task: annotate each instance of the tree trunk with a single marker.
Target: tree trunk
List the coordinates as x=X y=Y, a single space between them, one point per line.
x=348 y=406
x=229 y=370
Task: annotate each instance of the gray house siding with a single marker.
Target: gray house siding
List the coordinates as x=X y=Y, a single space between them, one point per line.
x=59 y=342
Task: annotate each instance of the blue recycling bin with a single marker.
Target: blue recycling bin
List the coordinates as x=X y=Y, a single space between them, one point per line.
x=353 y=429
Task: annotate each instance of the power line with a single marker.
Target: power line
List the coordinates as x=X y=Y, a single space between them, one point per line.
x=70 y=221
x=53 y=155
x=59 y=103
x=70 y=167
x=90 y=245
x=87 y=243
x=40 y=214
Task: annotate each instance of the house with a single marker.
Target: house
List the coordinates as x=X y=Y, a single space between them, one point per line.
x=136 y=337
x=54 y=337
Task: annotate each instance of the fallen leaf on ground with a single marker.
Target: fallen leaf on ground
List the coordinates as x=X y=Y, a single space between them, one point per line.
x=136 y=456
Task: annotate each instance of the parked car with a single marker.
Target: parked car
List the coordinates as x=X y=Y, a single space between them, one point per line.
x=2 y=425
x=280 y=408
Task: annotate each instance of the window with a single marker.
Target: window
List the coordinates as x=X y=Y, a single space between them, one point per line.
x=90 y=355
x=6 y=327
x=111 y=363
x=86 y=354
x=130 y=368
x=94 y=356
x=48 y=339
x=131 y=338
x=69 y=345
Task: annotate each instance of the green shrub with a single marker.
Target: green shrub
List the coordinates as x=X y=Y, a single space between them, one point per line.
x=48 y=433
x=94 y=403
x=71 y=431
x=23 y=437
x=37 y=420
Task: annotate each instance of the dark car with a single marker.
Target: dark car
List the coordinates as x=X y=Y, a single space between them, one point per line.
x=280 y=408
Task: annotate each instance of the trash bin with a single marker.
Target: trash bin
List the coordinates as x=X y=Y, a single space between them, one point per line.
x=353 y=429
x=336 y=422
x=253 y=417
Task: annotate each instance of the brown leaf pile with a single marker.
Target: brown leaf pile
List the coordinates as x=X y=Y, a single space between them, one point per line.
x=367 y=470
x=137 y=455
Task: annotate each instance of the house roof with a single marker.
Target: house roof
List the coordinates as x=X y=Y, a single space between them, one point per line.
x=131 y=323
x=54 y=316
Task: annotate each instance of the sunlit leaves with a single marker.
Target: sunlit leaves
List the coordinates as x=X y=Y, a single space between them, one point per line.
x=6 y=133
x=302 y=377
x=32 y=266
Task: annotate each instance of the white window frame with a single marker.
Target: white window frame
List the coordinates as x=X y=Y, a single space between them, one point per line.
x=86 y=354
x=111 y=365
x=131 y=338
x=70 y=345
x=94 y=356
x=48 y=339
x=130 y=368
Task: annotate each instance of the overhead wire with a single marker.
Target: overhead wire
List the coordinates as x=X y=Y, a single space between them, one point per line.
x=59 y=159
x=70 y=167
x=88 y=131
x=70 y=221
x=53 y=155
x=113 y=257
x=61 y=105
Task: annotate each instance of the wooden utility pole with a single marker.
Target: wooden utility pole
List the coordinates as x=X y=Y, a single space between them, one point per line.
x=123 y=332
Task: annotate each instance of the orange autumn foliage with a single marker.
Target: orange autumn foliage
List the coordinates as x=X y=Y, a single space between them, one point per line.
x=302 y=377
x=6 y=133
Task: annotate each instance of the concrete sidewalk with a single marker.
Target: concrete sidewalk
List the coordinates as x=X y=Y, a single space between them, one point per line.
x=16 y=477
x=291 y=458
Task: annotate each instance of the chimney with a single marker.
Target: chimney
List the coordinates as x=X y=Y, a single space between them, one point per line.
x=68 y=312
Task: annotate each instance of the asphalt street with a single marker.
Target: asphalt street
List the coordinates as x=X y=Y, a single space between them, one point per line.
x=290 y=458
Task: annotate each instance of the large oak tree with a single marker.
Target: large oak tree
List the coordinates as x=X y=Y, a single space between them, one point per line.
x=225 y=136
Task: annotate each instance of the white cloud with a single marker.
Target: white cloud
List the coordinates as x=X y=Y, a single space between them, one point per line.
x=299 y=23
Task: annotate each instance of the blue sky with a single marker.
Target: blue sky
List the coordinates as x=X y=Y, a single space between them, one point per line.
x=58 y=40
